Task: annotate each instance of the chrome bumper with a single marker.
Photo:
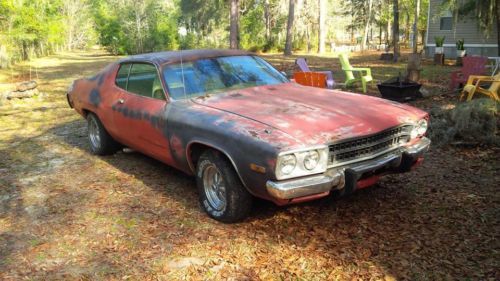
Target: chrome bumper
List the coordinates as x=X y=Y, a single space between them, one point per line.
x=335 y=178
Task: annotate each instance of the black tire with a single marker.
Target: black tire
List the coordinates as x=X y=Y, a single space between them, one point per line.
x=238 y=201
x=104 y=144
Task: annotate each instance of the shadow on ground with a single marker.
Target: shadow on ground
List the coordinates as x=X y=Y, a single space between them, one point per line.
x=129 y=214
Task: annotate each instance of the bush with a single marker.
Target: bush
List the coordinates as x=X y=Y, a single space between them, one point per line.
x=472 y=122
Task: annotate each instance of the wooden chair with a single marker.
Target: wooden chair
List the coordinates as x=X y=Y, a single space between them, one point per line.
x=313 y=79
x=474 y=86
x=302 y=64
x=365 y=73
x=471 y=65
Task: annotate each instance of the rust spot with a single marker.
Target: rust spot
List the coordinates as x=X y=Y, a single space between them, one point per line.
x=257 y=168
x=236 y=95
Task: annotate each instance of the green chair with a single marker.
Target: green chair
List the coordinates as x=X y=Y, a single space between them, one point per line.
x=365 y=73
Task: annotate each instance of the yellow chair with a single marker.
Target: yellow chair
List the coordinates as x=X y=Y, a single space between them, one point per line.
x=474 y=86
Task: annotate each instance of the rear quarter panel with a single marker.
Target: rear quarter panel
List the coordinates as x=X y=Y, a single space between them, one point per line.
x=96 y=95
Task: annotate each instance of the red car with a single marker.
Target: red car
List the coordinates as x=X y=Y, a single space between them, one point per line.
x=244 y=130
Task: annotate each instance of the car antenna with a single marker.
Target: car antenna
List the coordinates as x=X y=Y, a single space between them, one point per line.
x=183 y=81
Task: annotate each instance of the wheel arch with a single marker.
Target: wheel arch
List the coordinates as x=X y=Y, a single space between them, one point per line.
x=194 y=149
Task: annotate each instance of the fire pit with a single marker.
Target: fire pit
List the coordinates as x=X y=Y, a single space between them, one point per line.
x=398 y=89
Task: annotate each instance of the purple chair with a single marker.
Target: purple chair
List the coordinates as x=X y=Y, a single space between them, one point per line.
x=302 y=63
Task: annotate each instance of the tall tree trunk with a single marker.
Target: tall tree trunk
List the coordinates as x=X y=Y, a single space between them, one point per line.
x=289 y=28
x=234 y=28
x=395 y=30
x=388 y=32
x=308 y=40
x=415 y=27
x=138 y=26
x=407 y=27
x=267 y=16
x=367 y=25
x=322 y=26
x=380 y=34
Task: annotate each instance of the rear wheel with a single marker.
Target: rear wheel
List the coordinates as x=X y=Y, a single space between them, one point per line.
x=101 y=143
x=221 y=193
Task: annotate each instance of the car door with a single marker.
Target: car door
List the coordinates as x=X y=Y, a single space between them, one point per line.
x=118 y=119
x=140 y=112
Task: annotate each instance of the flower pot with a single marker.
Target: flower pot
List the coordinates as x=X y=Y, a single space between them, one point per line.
x=439 y=50
x=461 y=53
x=439 y=59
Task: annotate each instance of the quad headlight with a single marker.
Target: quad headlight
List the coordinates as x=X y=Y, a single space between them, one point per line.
x=302 y=162
x=419 y=129
x=288 y=163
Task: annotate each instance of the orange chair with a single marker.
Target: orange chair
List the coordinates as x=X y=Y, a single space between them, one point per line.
x=313 y=79
x=474 y=86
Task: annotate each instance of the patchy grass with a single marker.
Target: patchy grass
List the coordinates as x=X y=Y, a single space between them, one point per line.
x=66 y=214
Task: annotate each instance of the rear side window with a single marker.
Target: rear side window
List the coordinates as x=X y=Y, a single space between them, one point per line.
x=122 y=76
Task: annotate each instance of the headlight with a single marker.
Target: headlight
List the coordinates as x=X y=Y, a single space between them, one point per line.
x=301 y=162
x=419 y=129
x=287 y=164
x=311 y=159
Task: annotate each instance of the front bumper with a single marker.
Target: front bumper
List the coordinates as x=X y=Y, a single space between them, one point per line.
x=346 y=177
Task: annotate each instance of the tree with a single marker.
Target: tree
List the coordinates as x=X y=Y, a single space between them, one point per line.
x=289 y=28
x=322 y=28
x=367 y=25
x=234 y=25
x=267 y=18
x=395 y=29
x=415 y=27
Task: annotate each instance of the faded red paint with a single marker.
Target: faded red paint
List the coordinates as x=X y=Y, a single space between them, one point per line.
x=368 y=182
x=249 y=126
x=314 y=116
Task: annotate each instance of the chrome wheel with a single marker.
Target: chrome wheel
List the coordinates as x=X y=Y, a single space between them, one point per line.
x=94 y=136
x=215 y=188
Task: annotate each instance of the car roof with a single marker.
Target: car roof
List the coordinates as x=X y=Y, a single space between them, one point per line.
x=169 y=57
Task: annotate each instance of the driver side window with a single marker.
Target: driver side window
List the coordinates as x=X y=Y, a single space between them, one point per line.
x=142 y=80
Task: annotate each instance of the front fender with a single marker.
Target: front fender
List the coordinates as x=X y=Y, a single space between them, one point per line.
x=241 y=140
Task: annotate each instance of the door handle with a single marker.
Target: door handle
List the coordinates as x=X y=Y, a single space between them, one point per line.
x=121 y=101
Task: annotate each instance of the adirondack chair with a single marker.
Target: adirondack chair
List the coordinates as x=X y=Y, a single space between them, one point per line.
x=365 y=73
x=471 y=65
x=314 y=79
x=474 y=86
x=302 y=64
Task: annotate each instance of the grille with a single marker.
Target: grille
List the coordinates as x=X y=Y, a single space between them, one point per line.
x=365 y=147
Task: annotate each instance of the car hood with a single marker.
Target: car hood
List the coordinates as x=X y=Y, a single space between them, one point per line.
x=313 y=115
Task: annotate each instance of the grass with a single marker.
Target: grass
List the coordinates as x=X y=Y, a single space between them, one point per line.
x=66 y=214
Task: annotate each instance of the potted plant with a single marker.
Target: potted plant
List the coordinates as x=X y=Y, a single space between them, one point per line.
x=460 y=48
x=439 y=44
x=439 y=52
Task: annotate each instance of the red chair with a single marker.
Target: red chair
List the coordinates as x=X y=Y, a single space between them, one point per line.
x=473 y=65
x=313 y=79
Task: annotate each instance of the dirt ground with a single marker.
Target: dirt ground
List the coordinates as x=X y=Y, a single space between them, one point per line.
x=66 y=214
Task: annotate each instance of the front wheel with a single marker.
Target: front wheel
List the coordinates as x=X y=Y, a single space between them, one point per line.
x=221 y=193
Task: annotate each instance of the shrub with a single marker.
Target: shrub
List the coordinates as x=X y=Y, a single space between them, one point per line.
x=472 y=122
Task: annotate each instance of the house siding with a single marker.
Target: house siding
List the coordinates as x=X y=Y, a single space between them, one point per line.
x=476 y=43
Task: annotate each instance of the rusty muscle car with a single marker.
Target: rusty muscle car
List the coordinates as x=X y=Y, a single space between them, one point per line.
x=244 y=130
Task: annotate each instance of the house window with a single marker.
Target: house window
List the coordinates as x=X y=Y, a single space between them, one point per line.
x=446 y=21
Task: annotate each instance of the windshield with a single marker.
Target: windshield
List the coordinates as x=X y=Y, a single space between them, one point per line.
x=215 y=75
